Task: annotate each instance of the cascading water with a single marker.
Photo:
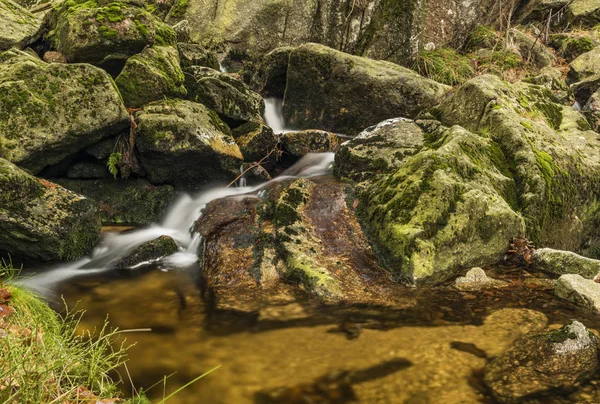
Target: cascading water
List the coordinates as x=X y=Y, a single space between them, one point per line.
x=177 y=224
x=274 y=115
x=222 y=68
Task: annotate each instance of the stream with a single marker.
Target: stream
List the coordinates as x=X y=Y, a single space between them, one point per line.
x=429 y=348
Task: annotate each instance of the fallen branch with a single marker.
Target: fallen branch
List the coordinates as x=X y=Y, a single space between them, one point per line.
x=274 y=150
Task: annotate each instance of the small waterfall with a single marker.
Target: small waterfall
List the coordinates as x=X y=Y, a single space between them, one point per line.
x=177 y=223
x=274 y=115
x=242 y=180
x=577 y=106
x=222 y=68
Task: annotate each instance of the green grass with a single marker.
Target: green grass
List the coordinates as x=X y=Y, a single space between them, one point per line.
x=444 y=65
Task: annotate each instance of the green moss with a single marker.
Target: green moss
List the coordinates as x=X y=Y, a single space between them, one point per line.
x=570 y=46
x=444 y=65
x=482 y=37
x=179 y=8
x=165 y=35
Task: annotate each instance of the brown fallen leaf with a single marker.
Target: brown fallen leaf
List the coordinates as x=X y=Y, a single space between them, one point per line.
x=5 y=295
x=5 y=311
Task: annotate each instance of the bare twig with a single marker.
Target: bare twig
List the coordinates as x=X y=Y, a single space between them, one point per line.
x=274 y=150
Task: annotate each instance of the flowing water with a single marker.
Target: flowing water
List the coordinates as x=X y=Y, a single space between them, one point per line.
x=430 y=348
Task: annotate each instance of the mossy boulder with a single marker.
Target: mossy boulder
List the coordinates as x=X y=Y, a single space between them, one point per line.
x=48 y=111
x=147 y=253
x=543 y=364
x=233 y=100
x=338 y=92
x=579 y=13
x=551 y=154
x=19 y=27
x=585 y=65
x=103 y=33
x=133 y=202
x=560 y=262
x=255 y=140
x=192 y=54
x=150 y=76
x=572 y=45
x=290 y=243
x=271 y=75
x=185 y=144
x=309 y=141
x=42 y=221
x=448 y=207
x=378 y=150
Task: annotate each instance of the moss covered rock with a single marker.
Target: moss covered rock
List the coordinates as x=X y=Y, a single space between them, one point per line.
x=542 y=364
x=585 y=65
x=309 y=141
x=271 y=75
x=147 y=253
x=233 y=100
x=551 y=154
x=448 y=207
x=125 y=202
x=150 y=76
x=48 y=111
x=379 y=149
x=19 y=27
x=335 y=91
x=185 y=144
x=571 y=45
x=42 y=221
x=105 y=33
x=192 y=54
x=292 y=243
x=255 y=141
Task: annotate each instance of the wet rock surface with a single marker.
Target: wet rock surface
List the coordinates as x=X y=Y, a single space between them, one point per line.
x=40 y=220
x=309 y=141
x=543 y=363
x=565 y=262
x=476 y=279
x=147 y=253
x=576 y=289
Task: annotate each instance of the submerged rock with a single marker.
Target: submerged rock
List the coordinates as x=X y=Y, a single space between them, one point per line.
x=150 y=76
x=346 y=93
x=576 y=289
x=19 y=27
x=49 y=111
x=42 y=221
x=309 y=141
x=379 y=149
x=125 y=202
x=147 y=253
x=543 y=363
x=185 y=144
x=477 y=279
x=565 y=262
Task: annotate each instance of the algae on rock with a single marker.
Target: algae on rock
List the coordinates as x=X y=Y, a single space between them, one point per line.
x=48 y=111
x=19 y=27
x=42 y=221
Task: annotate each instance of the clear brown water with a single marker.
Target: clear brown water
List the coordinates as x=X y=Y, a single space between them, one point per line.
x=429 y=349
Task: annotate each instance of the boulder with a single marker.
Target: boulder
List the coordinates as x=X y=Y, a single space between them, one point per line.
x=578 y=13
x=151 y=75
x=192 y=54
x=477 y=279
x=105 y=34
x=150 y=251
x=531 y=50
x=42 y=221
x=552 y=155
x=585 y=65
x=543 y=363
x=48 y=111
x=379 y=149
x=271 y=75
x=19 y=27
x=580 y=291
x=301 y=143
x=450 y=206
x=233 y=100
x=565 y=262
x=290 y=243
x=255 y=141
x=185 y=144
x=338 y=92
x=125 y=202
x=572 y=45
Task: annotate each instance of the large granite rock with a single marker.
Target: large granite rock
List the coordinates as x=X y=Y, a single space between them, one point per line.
x=580 y=291
x=19 y=27
x=565 y=262
x=545 y=363
x=48 y=111
x=42 y=221
x=338 y=92
x=150 y=76
x=185 y=144
x=124 y=202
